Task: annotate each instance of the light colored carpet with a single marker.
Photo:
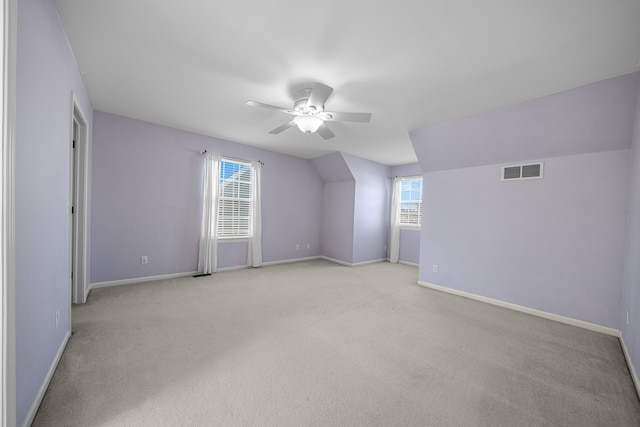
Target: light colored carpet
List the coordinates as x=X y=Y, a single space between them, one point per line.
x=319 y=344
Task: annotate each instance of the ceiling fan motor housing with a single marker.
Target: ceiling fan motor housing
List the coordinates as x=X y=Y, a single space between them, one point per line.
x=301 y=104
x=309 y=112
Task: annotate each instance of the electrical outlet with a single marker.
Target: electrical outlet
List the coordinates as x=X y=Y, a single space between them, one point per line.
x=435 y=268
x=308 y=245
x=297 y=247
x=57 y=317
x=144 y=259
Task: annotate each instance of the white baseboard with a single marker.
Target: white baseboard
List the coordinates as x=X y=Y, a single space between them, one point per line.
x=139 y=280
x=45 y=384
x=289 y=261
x=231 y=268
x=627 y=356
x=412 y=264
x=373 y=261
x=528 y=310
x=562 y=319
x=268 y=263
x=191 y=273
x=235 y=267
x=349 y=264
x=336 y=261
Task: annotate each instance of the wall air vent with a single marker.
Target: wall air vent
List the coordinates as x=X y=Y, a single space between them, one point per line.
x=530 y=171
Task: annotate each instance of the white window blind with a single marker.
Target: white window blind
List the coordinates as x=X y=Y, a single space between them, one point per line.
x=235 y=200
x=411 y=201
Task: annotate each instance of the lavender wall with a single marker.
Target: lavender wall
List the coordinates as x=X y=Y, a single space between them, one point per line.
x=355 y=210
x=337 y=220
x=333 y=168
x=338 y=204
x=46 y=76
x=147 y=182
x=631 y=282
x=409 y=237
x=371 y=209
x=555 y=244
x=412 y=169
x=409 y=246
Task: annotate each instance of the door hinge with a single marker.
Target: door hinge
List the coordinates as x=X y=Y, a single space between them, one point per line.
x=74 y=144
x=72 y=210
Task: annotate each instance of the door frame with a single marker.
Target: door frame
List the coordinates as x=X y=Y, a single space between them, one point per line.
x=78 y=190
x=8 y=46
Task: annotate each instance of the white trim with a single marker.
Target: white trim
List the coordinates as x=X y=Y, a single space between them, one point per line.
x=349 y=264
x=373 y=261
x=291 y=260
x=412 y=264
x=627 y=356
x=7 y=216
x=122 y=282
x=45 y=384
x=269 y=263
x=233 y=239
x=139 y=280
x=539 y=313
x=231 y=268
x=336 y=261
x=79 y=281
x=546 y=315
x=416 y=227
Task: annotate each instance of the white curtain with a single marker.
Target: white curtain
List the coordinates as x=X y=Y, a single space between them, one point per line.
x=394 y=235
x=208 y=256
x=254 y=250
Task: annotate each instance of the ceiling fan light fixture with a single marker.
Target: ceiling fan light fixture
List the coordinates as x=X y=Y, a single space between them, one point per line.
x=307 y=123
x=309 y=113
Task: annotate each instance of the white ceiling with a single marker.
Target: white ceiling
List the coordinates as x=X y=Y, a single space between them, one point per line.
x=193 y=64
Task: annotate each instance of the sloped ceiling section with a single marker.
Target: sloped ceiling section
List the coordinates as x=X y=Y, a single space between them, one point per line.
x=591 y=118
x=333 y=168
x=193 y=64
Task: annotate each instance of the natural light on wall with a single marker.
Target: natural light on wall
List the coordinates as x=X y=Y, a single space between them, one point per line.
x=406 y=210
x=234 y=210
x=411 y=201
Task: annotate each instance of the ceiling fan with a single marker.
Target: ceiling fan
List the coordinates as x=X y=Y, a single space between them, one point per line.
x=310 y=114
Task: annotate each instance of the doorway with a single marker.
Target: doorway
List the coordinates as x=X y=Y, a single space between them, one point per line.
x=78 y=162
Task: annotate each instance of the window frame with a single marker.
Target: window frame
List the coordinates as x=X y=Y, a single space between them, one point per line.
x=404 y=225
x=221 y=197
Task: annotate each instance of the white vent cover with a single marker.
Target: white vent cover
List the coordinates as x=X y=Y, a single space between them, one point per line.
x=530 y=171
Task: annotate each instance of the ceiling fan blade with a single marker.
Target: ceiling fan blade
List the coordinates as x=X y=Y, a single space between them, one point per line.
x=325 y=132
x=319 y=95
x=270 y=107
x=346 y=117
x=282 y=128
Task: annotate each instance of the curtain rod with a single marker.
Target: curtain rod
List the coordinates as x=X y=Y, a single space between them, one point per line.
x=231 y=158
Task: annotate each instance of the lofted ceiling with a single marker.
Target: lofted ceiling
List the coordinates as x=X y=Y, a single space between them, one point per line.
x=193 y=64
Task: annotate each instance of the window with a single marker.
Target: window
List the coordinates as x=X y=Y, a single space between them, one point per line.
x=411 y=201
x=235 y=201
